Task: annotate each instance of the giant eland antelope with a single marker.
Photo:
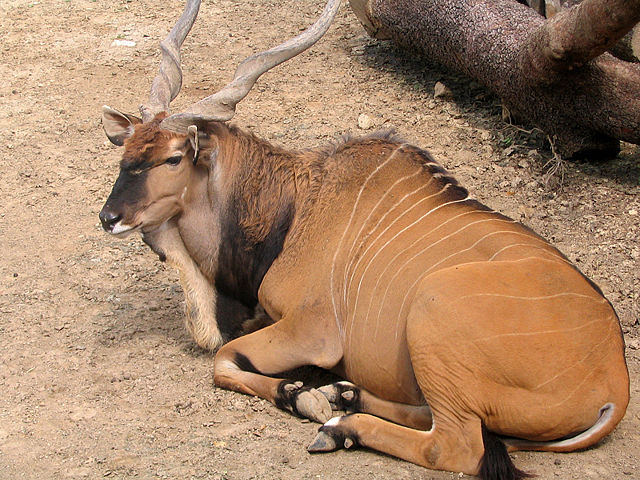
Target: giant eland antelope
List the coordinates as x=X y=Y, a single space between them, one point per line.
x=462 y=334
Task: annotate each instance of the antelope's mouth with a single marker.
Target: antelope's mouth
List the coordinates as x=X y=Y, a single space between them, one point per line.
x=122 y=230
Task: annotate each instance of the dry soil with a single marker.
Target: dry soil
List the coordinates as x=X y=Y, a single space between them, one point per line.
x=98 y=378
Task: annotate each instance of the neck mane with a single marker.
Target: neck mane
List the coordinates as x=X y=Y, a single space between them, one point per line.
x=262 y=185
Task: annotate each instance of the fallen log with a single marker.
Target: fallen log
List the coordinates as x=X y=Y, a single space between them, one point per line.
x=553 y=73
x=628 y=48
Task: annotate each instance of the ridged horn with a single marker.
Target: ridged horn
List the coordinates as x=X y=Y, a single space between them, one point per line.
x=166 y=85
x=221 y=106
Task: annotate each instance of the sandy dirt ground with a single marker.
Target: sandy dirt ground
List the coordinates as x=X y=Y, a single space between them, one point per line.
x=98 y=378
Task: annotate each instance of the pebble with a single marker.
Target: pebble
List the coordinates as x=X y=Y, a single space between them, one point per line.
x=365 y=122
x=77 y=472
x=123 y=43
x=82 y=413
x=485 y=135
x=440 y=90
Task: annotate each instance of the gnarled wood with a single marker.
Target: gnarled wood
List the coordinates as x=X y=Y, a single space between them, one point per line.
x=628 y=48
x=579 y=34
x=549 y=73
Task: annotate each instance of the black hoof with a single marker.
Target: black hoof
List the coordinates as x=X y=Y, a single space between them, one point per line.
x=322 y=443
x=332 y=436
x=343 y=396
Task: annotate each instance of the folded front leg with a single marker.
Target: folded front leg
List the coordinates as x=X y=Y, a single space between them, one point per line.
x=250 y=363
x=350 y=398
x=453 y=444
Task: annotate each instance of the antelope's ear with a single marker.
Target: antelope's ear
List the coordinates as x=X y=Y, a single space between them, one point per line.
x=200 y=141
x=192 y=132
x=117 y=125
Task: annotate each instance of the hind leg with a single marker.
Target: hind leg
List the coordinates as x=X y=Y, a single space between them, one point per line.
x=452 y=444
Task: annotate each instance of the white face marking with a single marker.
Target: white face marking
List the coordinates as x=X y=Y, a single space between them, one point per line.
x=121 y=230
x=176 y=147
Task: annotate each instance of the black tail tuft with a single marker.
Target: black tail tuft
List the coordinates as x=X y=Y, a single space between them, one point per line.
x=496 y=463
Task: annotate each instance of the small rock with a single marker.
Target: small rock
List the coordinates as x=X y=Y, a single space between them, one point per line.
x=633 y=212
x=525 y=212
x=82 y=413
x=123 y=43
x=365 y=122
x=534 y=155
x=634 y=344
x=79 y=472
x=440 y=90
x=466 y=157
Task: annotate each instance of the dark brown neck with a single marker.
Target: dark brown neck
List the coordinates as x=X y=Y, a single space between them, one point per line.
x=258 y=209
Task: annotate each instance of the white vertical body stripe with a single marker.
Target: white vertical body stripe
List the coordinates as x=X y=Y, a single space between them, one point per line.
x=353 y=212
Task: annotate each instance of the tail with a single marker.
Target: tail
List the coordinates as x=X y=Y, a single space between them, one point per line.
x=608 y=419
x=496 y=463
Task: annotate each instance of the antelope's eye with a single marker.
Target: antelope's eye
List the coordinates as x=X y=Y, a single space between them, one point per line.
x=175 y=160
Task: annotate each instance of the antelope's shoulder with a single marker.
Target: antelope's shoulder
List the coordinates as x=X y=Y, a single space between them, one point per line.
x=363 y=153
x=387 y=156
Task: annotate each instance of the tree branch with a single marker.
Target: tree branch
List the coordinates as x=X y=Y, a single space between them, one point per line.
x=576 y=35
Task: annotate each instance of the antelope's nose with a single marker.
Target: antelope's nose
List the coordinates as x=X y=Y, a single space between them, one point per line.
x=108 y=219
